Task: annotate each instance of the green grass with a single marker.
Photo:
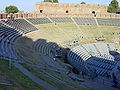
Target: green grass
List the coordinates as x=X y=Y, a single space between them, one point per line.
x=52 y=81
x=49 y=80
x=15 y=77
x=71 y=31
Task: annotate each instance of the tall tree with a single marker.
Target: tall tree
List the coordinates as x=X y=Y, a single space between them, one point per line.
x=55 y=1
x=113 y=7
x=82 y=3
x=11 y=9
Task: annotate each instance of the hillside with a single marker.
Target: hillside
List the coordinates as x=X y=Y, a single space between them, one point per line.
x=16 y=79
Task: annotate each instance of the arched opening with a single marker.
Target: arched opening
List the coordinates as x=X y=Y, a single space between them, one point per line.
x=117 y=12
x=21 y=15
x=1 y=17
x=66 y=11
x=16 y=15
x=41 y=11
x=94 y=15
x=93 y=12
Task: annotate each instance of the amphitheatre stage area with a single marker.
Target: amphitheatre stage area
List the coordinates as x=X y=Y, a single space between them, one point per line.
x=60 y=46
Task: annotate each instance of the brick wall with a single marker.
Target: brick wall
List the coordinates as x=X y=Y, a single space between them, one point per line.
x=64 y=10
x=60 y=8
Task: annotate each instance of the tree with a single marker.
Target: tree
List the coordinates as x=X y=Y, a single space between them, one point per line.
x=11 y=9
x=82 y=3
x=113 y=7
x=47 y=0
x=55 y=1
x=118 y=10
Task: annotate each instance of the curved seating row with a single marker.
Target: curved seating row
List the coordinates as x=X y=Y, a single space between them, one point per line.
x=61 y=19
x=100 y=50
x=36 y=21
x=95 y=62
x=7 y=38
x=79 y=50
x=91 y=49
x=85 y=21
x=47 y=49
x=44 y=47
x=78 y=20
x=100 y=63
x=108 y=21
x=20 y=24
x=102 y=47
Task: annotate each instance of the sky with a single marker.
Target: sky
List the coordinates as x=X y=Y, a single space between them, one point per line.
x=29 y=5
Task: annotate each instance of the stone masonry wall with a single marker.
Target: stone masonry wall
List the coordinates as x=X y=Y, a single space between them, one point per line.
x=64 y=10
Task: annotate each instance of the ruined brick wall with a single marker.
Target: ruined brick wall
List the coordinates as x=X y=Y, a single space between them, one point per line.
x=61 y=8
x=34 y=15
x=64 y=10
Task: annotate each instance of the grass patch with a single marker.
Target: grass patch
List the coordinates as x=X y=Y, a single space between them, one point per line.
x=16 y=78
